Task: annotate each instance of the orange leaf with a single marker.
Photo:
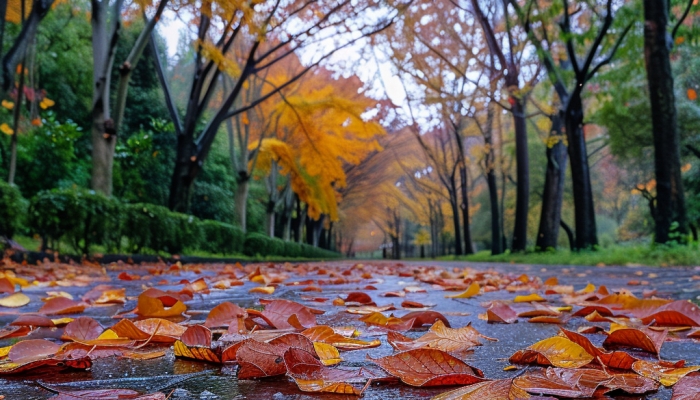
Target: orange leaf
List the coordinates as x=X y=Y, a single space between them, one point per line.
x=60 y=306
x=692 y=94
x=556 y=351
x=326 y=334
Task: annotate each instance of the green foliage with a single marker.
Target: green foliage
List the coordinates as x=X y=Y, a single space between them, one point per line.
x=80 y=217
x=262 y=245
x=257 y=244
x=221 y=238
x=12 y=209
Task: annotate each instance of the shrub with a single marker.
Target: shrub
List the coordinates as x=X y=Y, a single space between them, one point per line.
x=80 y=217
x=149 y=226
x=259 y=244
x=221 y=238
x=292 y=249
x=12 y=209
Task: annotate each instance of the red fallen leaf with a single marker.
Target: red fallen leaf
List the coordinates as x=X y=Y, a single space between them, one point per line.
x=677 y=313
x=61 y=363
x=81 y=350
x=311 y=375
x=226 y=314
x=413 y=304
x=501 y=312
x=155 y=330
x=31 y=350
x=259 y=360
x=425 y=318
x=429 y=367
x=687 y=388
x=14 y=331
x=229 y=353
x=360 y=298
x=107 y=394
x=394 y=294
x=196 y=335
x=6 y=286
x=33 y=320
x=124 y=276
x=296 y=340
x=279 y=311
x=641 y=338
x=631 y=383
x=61 y=305
x=82 y=329
x=326 y=334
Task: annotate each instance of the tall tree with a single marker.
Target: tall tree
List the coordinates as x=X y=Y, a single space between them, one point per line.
x=670 y=215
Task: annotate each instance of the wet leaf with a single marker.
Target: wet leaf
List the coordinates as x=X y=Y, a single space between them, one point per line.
x=259 y=360
x=488 y=390
x=390 y=323
x=667 y=376
x=31 y=350
x=644 y=339
x=501 y=312
x=326 y=334
x=687 y=388
x=557 y=351
x=440 y=337
x=61 y=306
x=224 y=315
x=156 y=303
x=328 y=353
x=429 y=367
x=83 y=329
x=528 y=298
x=471 y=291
x=311 y=375
x=15 y=300
x=677 y=313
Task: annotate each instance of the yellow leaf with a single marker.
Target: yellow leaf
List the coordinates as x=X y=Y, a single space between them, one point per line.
x=667 y=376
x=263 y=290
x=15 y=300
x=510 y=368
x=46 y=103
x=8 y=104
x=471 y=291
x=328 y=353
x=108 y=335
x=557 y=351
x=529 y=298
x=590 y=288
x=6 y=129
x=62 y=321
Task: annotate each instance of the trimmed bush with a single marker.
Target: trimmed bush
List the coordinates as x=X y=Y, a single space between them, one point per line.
x=12 y=209
x=259 y=244
x=80 y=217
x=221 y=238
x=262 y=245
x=292 y=249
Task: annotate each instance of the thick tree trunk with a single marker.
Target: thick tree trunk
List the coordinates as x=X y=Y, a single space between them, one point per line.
x=522 y=202
x=241 y=201
x=670 y=201
x=548 y=232
x=468 y=248
x=586 y=235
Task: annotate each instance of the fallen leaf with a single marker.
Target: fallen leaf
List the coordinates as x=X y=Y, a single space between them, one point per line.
x=488 y=390
x=667 y=376
x=429 y=367
x=471 y=291
x=557 y=351
x=641 y=338
x=15 y=300
x=687 y=388
x=156 y=303
x=528 y=298
x=326 y=334
x=501 y=312
x=60 y=306
x=440 y=337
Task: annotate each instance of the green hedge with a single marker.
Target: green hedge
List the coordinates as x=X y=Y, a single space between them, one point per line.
x=84 y=218
x=12 y=209
x=257 y=244
x=80 y=217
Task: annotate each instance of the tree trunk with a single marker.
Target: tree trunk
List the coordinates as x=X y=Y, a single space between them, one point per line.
x=241 y=201
x=555 y=175
x=522 y=202
x=490 y=161
x=468 y=248
x=569 y=234
x=455 y=221
x=670 y=201
x=586 y=235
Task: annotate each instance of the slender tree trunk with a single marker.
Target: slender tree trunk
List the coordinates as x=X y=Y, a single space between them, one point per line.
x=16 y=118
x=670 y=200
x=490 y=161
x=569 y=234
x=522 y=202
x=586 y=235
x=468 y=248
x=241 y=201
x=555 y=175
x=455 y=221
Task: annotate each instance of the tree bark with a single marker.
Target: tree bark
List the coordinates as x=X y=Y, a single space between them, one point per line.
x=490 y=161
x=468 y=248
x=555 y=175
x=586 y=234
x=455 y=219
x=241 y=200
x=670 y=201
x=522 y=162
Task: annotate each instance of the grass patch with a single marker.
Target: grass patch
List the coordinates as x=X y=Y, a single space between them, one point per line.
x=651 y=255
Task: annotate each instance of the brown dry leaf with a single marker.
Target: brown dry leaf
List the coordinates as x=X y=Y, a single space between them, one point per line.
x=278 y=312
x=440 y=337
x=425 y=318
x=195 y=353
x=61 y=305
x=429 y=367
x=687 y=388
x=311 y=375
x=677 y=313
x=32 y=350
x=259 y=360
x=33 y=320
x=500 y=312
x=326 y=334
x=549 y=382
x=196 y=336
x=15 y=300
x=557 y=351
x=167 y=331
x=639 y=338
x=667 y=376
x=226 y=314
x=83 y=329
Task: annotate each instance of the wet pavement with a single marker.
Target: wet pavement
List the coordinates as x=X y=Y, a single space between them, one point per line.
x=185 y=379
